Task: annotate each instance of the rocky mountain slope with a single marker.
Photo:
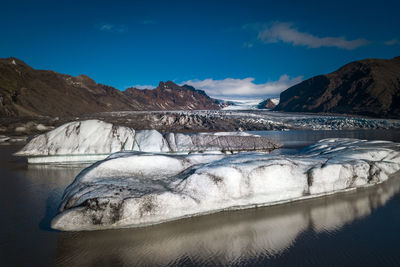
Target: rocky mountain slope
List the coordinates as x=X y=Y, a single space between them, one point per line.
x=268 y=103
x=25 y=91
x=170 y=96
x=367 y=87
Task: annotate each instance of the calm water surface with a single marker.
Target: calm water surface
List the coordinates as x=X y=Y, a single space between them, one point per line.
x=354 y=228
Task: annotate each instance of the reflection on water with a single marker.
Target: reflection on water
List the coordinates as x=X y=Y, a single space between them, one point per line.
x=29 y=197
x=224 y=238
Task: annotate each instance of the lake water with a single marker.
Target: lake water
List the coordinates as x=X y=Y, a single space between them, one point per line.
x=353 y=228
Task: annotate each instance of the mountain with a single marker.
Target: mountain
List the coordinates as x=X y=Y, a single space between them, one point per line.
x=367 y=87
x=170 y=96
x=25 y=91
x=269 y=103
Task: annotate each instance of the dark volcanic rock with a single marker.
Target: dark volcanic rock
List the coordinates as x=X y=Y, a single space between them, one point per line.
x=25 y=91
x=368 y=87
x=266 y=104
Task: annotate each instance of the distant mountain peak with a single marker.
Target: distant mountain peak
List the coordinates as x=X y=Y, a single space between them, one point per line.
x=12 y=61
x=168 y=85
x=269 y=103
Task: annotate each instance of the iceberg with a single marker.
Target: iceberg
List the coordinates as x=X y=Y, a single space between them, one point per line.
x=93 y=140
x=132 y=189
x=80 y=140
x=224 y=238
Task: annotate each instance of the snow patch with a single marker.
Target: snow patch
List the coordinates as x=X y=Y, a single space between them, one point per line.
x=275 y=101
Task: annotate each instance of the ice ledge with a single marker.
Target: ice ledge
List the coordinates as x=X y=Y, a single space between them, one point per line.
x=133 y=189
x=93 y=140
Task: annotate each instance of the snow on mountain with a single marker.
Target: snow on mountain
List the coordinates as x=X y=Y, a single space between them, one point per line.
x=275 y=100
x=131 y=189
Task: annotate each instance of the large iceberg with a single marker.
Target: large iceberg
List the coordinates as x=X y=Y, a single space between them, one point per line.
x=226 y=238
x=94 y=140
x=130 y=189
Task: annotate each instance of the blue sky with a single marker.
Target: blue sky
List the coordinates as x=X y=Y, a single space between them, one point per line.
x=228 y=48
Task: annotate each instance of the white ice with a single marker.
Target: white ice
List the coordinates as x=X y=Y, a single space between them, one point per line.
x=235 y=236
x=275 y=100
x=93 y=140
x=81 y=137
x=131 y=189
x=242 y=104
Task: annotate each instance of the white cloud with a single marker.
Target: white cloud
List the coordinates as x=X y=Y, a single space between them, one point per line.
x=138 y=86
x=248 y=45
x=107 y=27
x=146 y=22
x=243 y=87
x=285 y=32
x=392 y=42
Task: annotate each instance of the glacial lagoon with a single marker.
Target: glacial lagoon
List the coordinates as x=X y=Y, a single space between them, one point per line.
x=350 y=228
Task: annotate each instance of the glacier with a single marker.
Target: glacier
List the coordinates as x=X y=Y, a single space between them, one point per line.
x=93 y=140
x=132 y=189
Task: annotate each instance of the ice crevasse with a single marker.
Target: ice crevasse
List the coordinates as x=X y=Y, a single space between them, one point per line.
x=131 y=189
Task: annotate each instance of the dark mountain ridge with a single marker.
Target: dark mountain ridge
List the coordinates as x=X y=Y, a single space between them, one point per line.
x=368 y=87
x=25 y=91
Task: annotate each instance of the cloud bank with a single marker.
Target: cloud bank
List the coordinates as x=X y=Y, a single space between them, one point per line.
x=147 y=22
x=392 y=42
x=243 y=87
x=285 y=32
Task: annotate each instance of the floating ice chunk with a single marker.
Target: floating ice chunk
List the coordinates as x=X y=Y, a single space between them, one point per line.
x=4 y=138
x=133 y=189
x=94 y=140
x=12 y=139
x=41 y=127
x=81 y=137
x=234 y=236
x=150 y=141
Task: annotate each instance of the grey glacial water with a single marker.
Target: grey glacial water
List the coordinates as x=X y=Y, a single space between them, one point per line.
x=354 y=228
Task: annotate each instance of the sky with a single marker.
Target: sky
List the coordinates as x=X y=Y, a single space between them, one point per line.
x=230 y=49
